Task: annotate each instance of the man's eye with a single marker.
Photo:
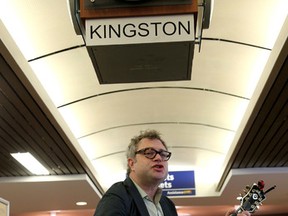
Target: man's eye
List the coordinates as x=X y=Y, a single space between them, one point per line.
x=149 y=153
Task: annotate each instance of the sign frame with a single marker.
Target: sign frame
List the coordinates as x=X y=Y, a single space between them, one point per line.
x=4 y=207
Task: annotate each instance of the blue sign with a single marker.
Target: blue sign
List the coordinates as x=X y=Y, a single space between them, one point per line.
x=179 y=183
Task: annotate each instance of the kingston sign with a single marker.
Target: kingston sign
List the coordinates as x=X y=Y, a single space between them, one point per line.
x=133 y=30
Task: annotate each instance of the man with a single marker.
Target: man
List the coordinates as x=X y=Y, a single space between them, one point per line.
x=139 y=194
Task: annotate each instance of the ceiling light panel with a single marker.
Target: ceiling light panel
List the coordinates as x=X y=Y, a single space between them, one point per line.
x=30 y=163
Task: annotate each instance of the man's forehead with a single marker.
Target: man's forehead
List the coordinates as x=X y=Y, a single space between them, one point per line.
x=151 y=143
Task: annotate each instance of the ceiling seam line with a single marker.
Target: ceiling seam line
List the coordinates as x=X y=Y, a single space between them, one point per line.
x=236 y=42
x=56 y=52
x=198 y=148
x=206 y=38
x=170 y=147
x=146 y=88
x=150 y=123
x=103 y=156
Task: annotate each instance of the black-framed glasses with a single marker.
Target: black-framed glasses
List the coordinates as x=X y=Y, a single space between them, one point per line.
x=151 y=153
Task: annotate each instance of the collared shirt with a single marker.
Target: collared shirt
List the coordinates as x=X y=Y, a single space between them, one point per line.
x=153 y=206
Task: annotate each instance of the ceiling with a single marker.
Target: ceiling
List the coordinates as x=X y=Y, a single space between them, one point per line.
x=227 y=122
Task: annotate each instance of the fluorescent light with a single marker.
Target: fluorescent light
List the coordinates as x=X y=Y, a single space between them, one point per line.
x=30 y=163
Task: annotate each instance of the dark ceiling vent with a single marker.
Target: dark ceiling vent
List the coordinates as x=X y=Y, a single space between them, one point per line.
x=97 y=4
x=143 y=62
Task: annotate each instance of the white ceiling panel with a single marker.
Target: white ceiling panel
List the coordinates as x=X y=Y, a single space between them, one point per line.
x=245 y=21
x=67 y=76
x=220 y=66
x=190 y=135
x=154 y=105
x=40 y=27
x=194 y=136
x=71 y=75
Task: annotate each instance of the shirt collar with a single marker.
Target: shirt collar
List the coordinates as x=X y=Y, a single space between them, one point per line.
x=144 y=195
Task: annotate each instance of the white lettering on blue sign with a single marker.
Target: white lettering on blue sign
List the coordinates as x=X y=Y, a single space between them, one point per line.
x=167 y=183
x=179 y=183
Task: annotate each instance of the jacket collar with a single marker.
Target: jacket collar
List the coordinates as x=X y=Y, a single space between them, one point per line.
x=131 y=188
x=133 y=191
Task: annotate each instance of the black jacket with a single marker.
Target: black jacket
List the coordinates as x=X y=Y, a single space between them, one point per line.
x=123 y=198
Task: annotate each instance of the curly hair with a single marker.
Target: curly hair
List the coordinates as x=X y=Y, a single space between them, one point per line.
x=134 y=143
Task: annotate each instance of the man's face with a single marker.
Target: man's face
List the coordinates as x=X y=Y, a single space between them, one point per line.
x=149 y=170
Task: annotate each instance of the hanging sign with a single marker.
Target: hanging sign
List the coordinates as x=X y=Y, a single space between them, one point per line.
x=133 y=30
x=179 y=183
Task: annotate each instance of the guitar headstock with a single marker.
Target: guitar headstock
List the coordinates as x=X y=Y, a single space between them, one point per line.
x=253 y=197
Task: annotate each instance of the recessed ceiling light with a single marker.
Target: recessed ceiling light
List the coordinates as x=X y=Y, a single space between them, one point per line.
x=30 y=163
x=54 y=213
x=81 y=203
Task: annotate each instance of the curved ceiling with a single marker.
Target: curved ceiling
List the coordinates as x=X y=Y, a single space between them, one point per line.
x=201 y=119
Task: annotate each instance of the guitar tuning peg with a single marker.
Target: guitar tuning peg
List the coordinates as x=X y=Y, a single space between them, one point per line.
x=239 y=198
x=261 y=184
x=248 y=187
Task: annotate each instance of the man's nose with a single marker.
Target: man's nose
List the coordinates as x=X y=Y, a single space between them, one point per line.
x=158 y=157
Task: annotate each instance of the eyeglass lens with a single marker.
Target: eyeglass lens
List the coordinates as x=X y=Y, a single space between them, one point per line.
x=151 y=153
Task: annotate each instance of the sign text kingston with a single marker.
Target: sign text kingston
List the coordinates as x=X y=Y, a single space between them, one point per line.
x=140 y=30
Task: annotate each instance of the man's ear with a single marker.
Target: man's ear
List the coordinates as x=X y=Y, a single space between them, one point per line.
x=131 y=162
